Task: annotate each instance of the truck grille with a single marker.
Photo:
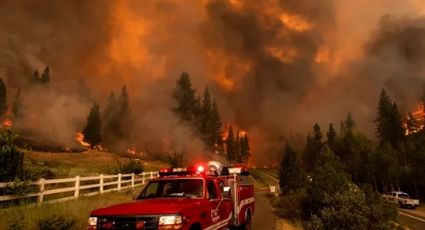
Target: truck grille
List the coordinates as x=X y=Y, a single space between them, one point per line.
x=127 y=222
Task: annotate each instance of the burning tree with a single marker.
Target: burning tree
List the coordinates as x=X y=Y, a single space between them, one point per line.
x=93 y=131
x=414 y=121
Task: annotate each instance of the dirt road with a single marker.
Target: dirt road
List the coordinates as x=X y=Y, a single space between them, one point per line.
x=264 y=218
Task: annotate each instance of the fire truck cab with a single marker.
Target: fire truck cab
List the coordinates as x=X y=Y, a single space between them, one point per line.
x=201 y=197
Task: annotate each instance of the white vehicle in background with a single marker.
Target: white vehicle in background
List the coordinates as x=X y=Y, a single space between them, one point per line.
x=402 y=199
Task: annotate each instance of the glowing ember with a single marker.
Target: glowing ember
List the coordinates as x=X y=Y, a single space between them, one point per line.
x=79 y=137
x=7 y=123
x=132 y=150
x=414 y=121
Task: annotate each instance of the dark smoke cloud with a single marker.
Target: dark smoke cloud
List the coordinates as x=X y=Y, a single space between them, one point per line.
x=260 y=59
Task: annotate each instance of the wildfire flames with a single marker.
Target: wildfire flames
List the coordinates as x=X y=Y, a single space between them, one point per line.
x=414 y=121
x=132 y=150
x=79 y=137
x=242 y=133
x=7 y=123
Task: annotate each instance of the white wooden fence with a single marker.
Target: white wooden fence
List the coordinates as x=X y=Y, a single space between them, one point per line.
x=72 y=188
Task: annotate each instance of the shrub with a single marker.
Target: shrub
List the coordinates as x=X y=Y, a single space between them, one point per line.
x=289 y=206
x=34 y=170
x=19 y=187
x=56 y=222
x=11 y=159
x=130 y=166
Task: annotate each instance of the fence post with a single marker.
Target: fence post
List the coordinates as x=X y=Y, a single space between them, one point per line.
x=151 y=175
x=77 y=187
x=119 y=182
x=101 y=184
x=132 y=180
x=143 y=177
x=41 y=194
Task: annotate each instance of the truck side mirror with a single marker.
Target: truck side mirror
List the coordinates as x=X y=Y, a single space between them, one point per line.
x=226 y=192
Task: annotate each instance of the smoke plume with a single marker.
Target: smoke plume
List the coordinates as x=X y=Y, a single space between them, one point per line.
x=275 y=66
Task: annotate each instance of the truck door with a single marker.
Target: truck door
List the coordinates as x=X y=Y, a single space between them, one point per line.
x=220 y=213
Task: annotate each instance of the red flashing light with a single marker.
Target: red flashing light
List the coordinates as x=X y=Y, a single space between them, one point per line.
x=163 y=170
x=200 y=169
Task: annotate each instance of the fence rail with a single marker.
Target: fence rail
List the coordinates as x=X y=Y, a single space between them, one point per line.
x=72 y=188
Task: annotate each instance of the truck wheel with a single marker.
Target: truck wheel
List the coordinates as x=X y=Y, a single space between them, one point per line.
x=400 y=205
x=247 y=224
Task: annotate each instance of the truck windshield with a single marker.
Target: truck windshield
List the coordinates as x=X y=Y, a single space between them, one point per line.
x=189 y=188
x=403 y=195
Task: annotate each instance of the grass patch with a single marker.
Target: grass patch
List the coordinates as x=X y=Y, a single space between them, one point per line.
x=89 y=163
x=77 y=210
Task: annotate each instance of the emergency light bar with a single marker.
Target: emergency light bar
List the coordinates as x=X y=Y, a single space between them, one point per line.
x=183 y=171
x=213 y=169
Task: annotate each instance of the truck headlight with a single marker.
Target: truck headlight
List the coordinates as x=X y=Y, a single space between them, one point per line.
x=92 y=222
x=170 y=222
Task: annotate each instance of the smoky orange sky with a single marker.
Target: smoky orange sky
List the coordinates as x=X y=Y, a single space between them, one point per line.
x=274 y=66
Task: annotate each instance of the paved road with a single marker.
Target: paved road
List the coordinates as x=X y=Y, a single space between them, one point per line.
x=414 y=219
x=264 y=218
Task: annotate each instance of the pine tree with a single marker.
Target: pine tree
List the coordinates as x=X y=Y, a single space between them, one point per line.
x=197 y=114
x=397 y=127
x=331 y=137
x=244 y=149
x=206 y=112
x=388 y=122
x=313 y=148
x=93 y=130
x=349 y=123
x=231 y=148
x=123 y=115
x=184 y=95
x=290 y=174
x=45 y=77
x=110 y=109
x=214 y=129
x=238 y=156
x=35 y=78
x=109 y=120
x=3 y=98
x=17 y=105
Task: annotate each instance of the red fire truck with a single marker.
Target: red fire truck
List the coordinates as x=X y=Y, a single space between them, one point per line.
x=201 y=197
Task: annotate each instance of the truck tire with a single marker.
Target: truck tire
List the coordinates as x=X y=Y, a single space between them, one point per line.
x=248 y=222
x=400 y=205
